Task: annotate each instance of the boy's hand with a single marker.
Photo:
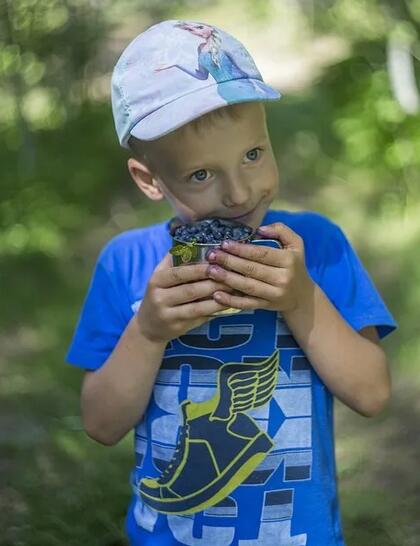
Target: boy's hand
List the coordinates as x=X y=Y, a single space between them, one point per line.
x=269 y=278
x=169 y=308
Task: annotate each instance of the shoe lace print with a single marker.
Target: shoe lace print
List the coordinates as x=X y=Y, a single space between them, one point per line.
x=177 y=455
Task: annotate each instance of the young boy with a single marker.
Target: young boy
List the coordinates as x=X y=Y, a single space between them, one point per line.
x=233 y=414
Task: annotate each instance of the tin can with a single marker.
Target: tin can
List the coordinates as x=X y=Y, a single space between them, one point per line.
x=186 y=253
x=193 y=253
x=196 y=252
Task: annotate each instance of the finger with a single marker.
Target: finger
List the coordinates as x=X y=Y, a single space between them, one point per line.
x=247 y=302
x=249 y=286
x=173 y=276
x=276 y=257
x=248 y=268
x=195 y=310
x=189 y=292
x=165 y=263
x=281 y=232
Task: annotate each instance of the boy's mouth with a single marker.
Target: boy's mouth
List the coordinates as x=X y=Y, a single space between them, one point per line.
x=239 y=218
x=245 y=215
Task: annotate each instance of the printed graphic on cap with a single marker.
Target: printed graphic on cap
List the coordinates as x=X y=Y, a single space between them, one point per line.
x=214 y=60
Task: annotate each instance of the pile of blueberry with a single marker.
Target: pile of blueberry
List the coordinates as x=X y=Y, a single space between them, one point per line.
x=212 y=231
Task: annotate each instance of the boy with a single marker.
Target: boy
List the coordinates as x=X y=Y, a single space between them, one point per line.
x=233 y=414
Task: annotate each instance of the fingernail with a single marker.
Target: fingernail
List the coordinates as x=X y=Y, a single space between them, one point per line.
x=227 y=244
x=263 y=228
x=212 y=271
x=211 y=255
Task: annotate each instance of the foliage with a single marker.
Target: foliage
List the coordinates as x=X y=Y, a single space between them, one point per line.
x=61 y=161
x=345 y=147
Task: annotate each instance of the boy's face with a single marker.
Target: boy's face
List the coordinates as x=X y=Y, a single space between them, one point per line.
x=225 y=168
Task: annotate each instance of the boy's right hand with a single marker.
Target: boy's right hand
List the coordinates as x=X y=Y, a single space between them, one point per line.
x=169 y=308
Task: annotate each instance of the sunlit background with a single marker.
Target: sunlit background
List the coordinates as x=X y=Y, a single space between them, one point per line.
x=347 y=139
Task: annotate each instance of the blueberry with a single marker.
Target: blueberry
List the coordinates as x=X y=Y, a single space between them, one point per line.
x=212 y=231
x=237 y=234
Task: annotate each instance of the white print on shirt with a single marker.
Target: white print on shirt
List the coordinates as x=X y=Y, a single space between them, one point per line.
x=286 y=419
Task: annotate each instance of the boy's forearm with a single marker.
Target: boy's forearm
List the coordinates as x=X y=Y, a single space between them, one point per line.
x=353 y=367
x=115 y=397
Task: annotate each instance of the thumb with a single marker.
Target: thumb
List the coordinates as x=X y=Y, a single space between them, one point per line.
x=284 y=234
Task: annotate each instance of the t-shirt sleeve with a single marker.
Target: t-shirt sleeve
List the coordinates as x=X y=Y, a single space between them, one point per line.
x=102 y=319
x=349 y=286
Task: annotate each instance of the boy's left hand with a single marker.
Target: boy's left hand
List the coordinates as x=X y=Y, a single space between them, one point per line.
x=269 y=278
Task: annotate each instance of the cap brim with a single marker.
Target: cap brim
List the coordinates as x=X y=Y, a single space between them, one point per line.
x=188 y=107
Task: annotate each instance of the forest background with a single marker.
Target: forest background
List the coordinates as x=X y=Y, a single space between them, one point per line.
x=346 y=136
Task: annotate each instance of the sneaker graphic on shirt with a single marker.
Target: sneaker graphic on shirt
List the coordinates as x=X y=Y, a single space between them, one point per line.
x=219 y=445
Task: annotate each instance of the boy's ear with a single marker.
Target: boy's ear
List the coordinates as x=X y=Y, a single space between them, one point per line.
x=145 y=179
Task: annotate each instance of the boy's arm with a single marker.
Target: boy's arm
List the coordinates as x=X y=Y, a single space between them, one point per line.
x=114 y=398
x=353 y=365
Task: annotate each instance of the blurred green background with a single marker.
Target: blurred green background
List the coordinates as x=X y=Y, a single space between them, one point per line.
x=347 y=139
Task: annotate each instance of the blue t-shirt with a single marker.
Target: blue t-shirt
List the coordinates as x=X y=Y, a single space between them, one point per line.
x=237 y=444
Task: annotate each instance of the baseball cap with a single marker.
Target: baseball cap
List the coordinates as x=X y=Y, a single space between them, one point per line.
x=176 y=71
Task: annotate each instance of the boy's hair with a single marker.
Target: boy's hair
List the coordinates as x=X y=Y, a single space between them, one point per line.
x=138 y=147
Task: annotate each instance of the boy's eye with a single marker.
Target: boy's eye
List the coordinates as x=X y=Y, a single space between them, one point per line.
x=253 y=154
x=199 y=176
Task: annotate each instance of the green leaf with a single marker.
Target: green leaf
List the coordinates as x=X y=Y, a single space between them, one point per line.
x=177 y=250
x=187 y=254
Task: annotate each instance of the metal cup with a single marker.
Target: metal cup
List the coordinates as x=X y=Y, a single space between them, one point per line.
x=189 y=253
x=193 y=253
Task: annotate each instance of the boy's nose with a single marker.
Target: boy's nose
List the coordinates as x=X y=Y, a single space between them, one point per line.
x=236 y=193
